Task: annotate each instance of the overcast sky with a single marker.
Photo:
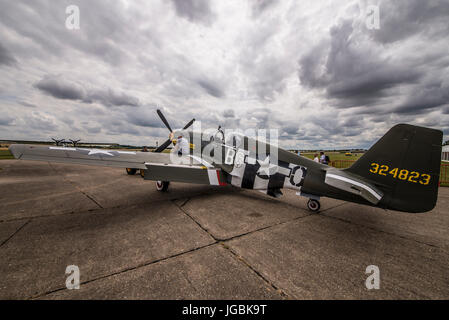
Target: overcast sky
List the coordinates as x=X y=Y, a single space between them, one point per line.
x=312 y=69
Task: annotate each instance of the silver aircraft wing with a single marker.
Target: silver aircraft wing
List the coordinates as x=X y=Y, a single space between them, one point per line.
x=95 y=157
x=157 y=166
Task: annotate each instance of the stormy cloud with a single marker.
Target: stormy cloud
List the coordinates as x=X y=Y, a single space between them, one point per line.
x=194 y=10
x=352 y=73
x=66 y=90
x=5 y=56
x=311 y=69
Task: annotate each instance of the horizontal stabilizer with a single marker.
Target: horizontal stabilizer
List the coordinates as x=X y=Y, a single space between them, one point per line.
x=350 y=183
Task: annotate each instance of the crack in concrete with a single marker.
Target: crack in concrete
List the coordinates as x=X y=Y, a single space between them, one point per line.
x=260 y=275
x=184 y=203
x=62 y=194
x=235 y=255
x=124 y=270
x=202 y=193
x=77 y=187
x=15 y=232
x=94 y=210
x=196 y=222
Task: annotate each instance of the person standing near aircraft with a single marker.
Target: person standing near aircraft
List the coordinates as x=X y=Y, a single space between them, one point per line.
x=323 y=158
x=316 y=159
x=182 y=146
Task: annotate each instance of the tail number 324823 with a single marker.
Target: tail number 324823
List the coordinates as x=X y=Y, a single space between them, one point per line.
x=402 y=174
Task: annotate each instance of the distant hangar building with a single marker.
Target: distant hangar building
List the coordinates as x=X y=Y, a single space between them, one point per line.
x=445 y=153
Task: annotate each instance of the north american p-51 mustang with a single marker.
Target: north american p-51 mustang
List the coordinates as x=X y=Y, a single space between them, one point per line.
x=399 y=172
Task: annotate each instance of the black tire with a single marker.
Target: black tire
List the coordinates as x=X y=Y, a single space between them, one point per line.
x=131 y=171
x=313 y=205
x=162 y=186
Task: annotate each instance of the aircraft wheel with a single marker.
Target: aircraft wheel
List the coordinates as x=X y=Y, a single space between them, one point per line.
x=131 y=171
x=313 y=205
x=162 y=185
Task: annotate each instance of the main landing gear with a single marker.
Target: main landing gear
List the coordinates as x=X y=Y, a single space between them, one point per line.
x=313 y=205
x=131 y=171
x=162 y=186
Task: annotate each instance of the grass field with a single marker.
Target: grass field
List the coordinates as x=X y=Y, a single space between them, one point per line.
x=5 y=154
x=334 y=155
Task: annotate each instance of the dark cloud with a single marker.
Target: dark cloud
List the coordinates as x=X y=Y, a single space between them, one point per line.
x=146 y=116
x=259 y=6
x=351 y=73
x=401 y=19
x=63 y=89
x=151 y=122
x=6 y=57
x=427 y=97
x=110 y=98
x=211 y=88
x=104 y=29
x=228 y=113
x=195 y=10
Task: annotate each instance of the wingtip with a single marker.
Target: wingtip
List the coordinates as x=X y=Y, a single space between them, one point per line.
x=16 y=150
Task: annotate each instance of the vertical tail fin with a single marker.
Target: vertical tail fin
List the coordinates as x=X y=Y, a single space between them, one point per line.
x=405 y=164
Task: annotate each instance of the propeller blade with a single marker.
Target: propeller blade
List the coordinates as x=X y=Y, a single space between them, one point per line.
x=189 y=124
x=164 y=120
x=163 y=146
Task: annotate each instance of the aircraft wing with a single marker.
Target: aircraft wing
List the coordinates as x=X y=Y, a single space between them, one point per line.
x=157 y=166
x=95 y=157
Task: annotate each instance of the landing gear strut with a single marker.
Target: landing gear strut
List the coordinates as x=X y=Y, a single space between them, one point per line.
x=131 y=171
x=162 y=186
x=313 y=205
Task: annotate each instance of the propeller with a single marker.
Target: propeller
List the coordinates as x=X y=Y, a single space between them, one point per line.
x=161 y=115
x=58 y=142
x=75 y=142
x=163 y=146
